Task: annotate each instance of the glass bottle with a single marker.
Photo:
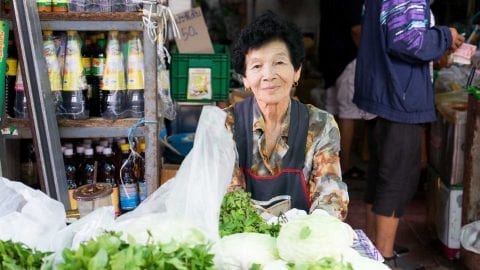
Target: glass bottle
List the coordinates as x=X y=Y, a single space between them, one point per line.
x=109 y=176
x=88 y=167
x=71 y=173
x=20 y=108
x=128 y=187
x=98 y=67
x=11 y=76
x=140 y=173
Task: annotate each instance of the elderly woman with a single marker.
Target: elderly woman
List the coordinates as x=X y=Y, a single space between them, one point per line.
x=285 y=148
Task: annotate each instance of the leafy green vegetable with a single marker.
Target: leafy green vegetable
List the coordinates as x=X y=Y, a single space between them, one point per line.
x=109 y=251
x=326 y=263
x=237 y=215
x=19 y=256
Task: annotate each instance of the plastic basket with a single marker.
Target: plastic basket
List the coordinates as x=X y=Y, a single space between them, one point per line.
x=200 y=77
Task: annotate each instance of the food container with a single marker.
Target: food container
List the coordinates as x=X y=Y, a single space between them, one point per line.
x=92 y=196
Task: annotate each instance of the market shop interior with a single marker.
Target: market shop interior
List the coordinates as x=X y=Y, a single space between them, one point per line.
x=100 y=104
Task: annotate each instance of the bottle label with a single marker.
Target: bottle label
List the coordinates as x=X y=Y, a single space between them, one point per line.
x=73 y=77
x=115 y=201
x=135 y=66
x=73 y=202
x=142 y=190
x=11 y=67
x=128 y=196
x=44 y=5
x=60 y=5
x=53 y=67
x=98 y=66
x=114 y=75
x=87 y=65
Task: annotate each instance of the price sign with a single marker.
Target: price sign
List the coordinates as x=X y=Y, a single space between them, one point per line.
x=194 y=33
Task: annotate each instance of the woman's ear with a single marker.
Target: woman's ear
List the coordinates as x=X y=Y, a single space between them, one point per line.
x=297 y=74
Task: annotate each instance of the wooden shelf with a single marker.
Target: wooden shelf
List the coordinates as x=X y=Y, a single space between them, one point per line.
x=90 y=16
x=88 y=128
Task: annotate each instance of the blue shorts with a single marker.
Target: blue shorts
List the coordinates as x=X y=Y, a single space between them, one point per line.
x=394 y=168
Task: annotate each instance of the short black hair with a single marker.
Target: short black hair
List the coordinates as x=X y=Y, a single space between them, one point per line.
x=263 y=29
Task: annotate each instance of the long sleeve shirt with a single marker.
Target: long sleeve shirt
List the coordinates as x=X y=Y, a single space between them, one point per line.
x=322 y=164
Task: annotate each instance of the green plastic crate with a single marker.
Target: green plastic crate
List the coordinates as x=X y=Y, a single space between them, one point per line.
x=200 y=77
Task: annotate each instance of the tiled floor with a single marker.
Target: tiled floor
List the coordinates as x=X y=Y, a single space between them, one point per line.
x=413 y=231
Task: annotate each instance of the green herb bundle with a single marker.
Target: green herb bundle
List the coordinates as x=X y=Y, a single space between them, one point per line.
x=19 y=256
x=238 y=215
x=109 y=251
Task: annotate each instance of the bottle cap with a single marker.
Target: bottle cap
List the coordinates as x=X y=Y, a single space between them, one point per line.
x=68 y=152
x=107 y=151
x=89 y=152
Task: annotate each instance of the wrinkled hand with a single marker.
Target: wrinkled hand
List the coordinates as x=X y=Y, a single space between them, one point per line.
x=457 y=39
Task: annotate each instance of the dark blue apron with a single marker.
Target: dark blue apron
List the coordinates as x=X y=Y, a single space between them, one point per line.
x=290 y=180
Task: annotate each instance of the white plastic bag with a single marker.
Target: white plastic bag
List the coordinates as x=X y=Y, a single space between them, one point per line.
x=28 y=215
x=193 y=198
x=470 y=237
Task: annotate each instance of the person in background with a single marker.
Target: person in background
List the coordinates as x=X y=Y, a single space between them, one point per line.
x=340 y=29
x=285 y=148
x=393 y=81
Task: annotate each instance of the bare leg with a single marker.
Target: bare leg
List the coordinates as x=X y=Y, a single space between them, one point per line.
x=346 y=127
x=386 y=233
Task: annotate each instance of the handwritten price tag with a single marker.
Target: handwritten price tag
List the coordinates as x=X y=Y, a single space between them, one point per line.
x=194 y=33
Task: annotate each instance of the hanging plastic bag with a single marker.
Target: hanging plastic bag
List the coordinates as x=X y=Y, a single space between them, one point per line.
x=191 y=201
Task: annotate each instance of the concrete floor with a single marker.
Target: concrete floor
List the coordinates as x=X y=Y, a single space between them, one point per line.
x=413 y=232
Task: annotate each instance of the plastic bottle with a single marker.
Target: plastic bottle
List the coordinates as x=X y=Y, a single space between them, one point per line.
x=128 y=187
x=108 y=176
x=71 y=173
x=20 y=108
x=87 y=54
x=44 y=5
x=98 y=67
x=132 y=6
x=28 y=164
x=135 y=76
x=77 y=5
x=53 y=68
x=74 y=104
x=113 y=87
x=98 y=6
x=11 y=75
x=59 y=5
x=140 y=173
x=118 y=6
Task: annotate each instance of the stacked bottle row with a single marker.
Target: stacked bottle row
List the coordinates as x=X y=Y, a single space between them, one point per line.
x=102 y=78
x=82 y=5
x=116 y=165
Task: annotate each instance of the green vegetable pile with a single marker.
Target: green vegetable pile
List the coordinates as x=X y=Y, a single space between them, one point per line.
x=238 y=215
x=109 y=251
x=326 y=263
x=18 y=256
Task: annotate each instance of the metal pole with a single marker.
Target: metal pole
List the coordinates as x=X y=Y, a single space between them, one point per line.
x=40 y=101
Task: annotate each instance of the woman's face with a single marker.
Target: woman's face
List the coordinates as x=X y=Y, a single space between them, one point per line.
x=270 y=73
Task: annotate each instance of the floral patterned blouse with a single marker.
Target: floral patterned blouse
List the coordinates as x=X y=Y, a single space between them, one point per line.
x=322 y=163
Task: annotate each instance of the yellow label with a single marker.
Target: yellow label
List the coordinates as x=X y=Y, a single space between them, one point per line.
x=135 y=80
x=73 y=202
x=11 y=67
x=115 y=202
x=73 y=77
x=53 y=67
x=87 y=63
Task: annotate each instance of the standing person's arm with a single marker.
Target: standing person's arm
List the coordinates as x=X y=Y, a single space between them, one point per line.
x=409 y=36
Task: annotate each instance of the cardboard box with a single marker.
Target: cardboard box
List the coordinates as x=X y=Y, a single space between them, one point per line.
x=168 y=171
